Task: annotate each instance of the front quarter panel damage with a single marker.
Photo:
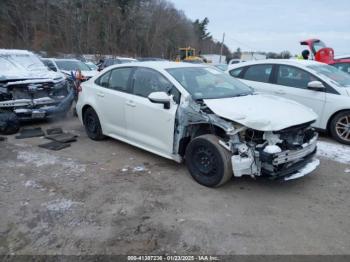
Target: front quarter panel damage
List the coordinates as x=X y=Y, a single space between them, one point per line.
x=286 y=153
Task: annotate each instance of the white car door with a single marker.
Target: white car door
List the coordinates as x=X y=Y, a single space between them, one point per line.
x=291 y=83
x=112 y=91
x=150 y=125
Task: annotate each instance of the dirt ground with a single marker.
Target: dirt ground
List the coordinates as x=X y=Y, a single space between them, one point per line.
x=111 y=198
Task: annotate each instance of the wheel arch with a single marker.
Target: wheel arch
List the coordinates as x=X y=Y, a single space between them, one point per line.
x=332 y=116
x=199 y=129
x=84 y=108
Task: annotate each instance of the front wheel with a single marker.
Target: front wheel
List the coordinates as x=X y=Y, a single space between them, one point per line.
x=9 y=123
x=340 y=127
x=208 y=162
x=92 y=125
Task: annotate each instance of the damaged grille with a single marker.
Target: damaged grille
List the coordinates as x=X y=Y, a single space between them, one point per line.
x=298 y=146
x=295 y=137
x=30 y=95
x=31 y=91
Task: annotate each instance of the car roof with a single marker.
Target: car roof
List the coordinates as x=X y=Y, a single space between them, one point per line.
x=295 y=62
x=66 y=59
x=125 y=58
x=15 y=52
x=159 y=65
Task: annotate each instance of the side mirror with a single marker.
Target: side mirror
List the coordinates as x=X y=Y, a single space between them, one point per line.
x=160 y=98
x=316 y=86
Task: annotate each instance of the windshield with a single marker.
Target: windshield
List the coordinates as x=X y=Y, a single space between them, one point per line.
x=345 y=67
x=318 y=45
x=6 y=66
x=72 y=65
x=92 y=66
x=28 y=61
x=209 y=83
x=337 y=76
x=222 y=67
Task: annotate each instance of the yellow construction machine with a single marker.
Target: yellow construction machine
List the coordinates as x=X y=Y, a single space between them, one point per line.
x=188 y=54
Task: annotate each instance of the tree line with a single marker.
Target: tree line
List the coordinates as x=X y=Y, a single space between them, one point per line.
x=119 y=27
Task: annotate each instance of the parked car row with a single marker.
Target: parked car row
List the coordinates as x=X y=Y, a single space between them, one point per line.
x=69 y=66
x=256 y=118
x=323 y=88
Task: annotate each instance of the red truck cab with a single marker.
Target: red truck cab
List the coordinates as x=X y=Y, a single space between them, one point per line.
x=321 y=53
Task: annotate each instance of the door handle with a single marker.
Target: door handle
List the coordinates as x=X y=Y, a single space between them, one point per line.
x=130 y=103
x=280 y=92
x=100 y=94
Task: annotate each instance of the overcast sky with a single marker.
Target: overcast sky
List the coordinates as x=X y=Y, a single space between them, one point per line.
x=274 y=25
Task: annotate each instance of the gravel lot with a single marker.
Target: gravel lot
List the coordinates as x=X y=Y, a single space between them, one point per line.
x=111 y=198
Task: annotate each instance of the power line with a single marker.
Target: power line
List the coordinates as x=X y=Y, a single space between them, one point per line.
x=241 y=43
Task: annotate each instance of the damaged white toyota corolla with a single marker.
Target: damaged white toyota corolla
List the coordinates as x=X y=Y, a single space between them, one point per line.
x=196 y=113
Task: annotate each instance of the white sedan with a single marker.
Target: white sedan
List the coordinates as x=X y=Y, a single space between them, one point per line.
x=200 y=114
x=323 y=88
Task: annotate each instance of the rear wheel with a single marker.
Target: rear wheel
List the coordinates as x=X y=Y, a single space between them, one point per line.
x=208 y=162
x=340 y=127
x=92 y=125
x=9 y=123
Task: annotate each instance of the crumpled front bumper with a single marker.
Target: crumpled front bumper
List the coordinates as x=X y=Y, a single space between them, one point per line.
x=309 y=168
x=292 y=164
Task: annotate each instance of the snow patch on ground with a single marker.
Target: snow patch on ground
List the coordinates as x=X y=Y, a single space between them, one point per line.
x=335 y=152
x=40 y=159
x=140 y=168
x=32 y=184
x=60 y=204
x=37 y=159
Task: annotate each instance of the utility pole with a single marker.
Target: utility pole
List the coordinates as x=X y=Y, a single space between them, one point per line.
x=222 y=46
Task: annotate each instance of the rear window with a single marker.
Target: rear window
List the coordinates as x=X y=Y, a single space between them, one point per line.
x=119 y=79
x=259 y=73
x=236 y=72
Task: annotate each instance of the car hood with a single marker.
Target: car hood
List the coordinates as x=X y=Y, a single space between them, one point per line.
x=30 y=74
x=261 y=112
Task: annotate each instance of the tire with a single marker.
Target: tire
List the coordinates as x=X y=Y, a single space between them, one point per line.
x=92 y=125
x=340 y=127
x=208 y=162
x=9 y=123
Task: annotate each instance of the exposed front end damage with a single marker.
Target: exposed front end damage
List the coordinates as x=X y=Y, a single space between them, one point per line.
x=277 y=154
x=35 y=98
